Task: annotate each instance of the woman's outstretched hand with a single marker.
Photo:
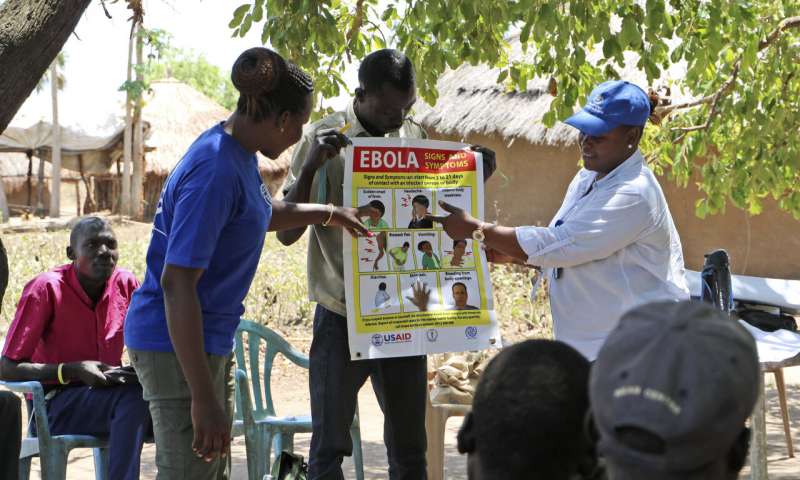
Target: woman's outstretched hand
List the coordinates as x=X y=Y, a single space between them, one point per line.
x=348 y=218
x=459 y=224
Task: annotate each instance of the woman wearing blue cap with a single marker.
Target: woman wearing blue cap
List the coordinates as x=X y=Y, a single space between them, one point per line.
x=612 y=245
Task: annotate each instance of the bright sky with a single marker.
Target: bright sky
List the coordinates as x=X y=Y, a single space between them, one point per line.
x=98 y=52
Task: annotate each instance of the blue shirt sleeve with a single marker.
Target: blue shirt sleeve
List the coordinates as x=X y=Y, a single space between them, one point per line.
x=204 y=203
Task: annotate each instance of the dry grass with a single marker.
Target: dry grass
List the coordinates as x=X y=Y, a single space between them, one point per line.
x=278 y=297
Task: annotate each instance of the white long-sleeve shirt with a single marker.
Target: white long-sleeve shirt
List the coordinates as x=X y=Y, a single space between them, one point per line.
x=615 y=247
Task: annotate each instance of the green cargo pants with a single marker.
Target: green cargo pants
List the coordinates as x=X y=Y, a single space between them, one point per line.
x=165 y=387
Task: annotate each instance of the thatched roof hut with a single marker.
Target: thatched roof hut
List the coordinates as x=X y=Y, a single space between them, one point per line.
x=86 y=146
x=19 y=175
x=539 y=162
x=178 y=114
x=471 y=102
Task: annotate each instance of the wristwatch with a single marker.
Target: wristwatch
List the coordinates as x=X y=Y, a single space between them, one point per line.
x=478 y=234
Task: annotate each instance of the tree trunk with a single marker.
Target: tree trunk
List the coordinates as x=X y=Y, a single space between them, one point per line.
x=32 y=32
x=137 y=193
x=28 y=182
x=125 y=197
x=55 y=180
x=3 y=201
x=89 y=206
x=78 y=199
x=40 y=189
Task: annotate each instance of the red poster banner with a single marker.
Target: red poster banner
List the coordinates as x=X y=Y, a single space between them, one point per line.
x=412 y=160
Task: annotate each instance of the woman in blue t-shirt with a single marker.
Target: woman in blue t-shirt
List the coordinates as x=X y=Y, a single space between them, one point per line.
x=207 y=237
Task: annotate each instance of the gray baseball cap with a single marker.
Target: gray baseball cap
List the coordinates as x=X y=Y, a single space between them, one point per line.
x=682 y=375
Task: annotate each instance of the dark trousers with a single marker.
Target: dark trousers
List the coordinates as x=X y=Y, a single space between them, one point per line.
x=118 y=413
x=400 y=385
x=10 y=434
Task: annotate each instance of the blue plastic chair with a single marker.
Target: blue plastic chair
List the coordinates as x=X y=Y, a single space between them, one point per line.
x=262 y=426
x=53 y=449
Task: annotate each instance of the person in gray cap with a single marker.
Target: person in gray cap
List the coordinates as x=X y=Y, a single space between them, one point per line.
x=670 y=392
x=612 y=245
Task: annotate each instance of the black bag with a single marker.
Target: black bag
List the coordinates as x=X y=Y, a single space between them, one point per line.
x=716 y=281
x=289 y=466
x=768 y=322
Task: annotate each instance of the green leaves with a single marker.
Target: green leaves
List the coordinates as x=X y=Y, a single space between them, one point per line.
x=238 y=15
x=750 y=148
x=630 y=35
x=134 y=88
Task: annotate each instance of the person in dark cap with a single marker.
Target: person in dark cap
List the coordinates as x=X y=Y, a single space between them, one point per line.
x=527 y=418
x=612 y=245
x=671 y=391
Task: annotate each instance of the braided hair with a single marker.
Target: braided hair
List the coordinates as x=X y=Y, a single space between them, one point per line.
x=268 y=84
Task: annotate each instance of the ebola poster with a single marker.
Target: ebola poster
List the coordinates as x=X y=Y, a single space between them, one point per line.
x=411 y=289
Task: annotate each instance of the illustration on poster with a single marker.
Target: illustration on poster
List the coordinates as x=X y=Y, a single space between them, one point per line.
x=461 y=297
x=430 y=261
x=458 y=257
x=382 y=298
x=419 y=212
x=372 y=253
x=400 y=255
x=401 y=180
x=375 y=219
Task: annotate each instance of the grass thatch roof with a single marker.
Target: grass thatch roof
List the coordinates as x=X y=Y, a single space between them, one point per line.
x=14 y=170
x=178 y=114
x=472 y=102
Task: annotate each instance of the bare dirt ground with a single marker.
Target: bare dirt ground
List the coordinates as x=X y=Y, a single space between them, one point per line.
x=291 y=397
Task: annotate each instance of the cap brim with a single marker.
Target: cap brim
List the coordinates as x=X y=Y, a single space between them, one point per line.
x=589 y=124
x=625 y=472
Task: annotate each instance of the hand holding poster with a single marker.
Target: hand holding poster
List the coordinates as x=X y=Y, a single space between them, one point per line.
x=411 y=289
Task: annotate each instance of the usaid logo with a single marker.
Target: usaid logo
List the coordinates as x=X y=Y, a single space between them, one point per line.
x=379 y=339
x=397 y=337
x=471 y=332
x=432 y=335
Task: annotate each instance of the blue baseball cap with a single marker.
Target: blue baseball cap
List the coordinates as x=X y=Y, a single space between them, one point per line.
x=610 y=105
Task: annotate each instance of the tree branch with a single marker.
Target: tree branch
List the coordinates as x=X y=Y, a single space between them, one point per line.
x=785 y=24
x=358 y=20
x=728 y=85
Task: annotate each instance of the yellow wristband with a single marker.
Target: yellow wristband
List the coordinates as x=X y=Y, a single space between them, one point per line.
x=61 y=374
x=330 y=216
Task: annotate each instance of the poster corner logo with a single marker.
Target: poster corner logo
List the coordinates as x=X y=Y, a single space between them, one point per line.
x=432 y=335
x=377 y=340
x=471 y=332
